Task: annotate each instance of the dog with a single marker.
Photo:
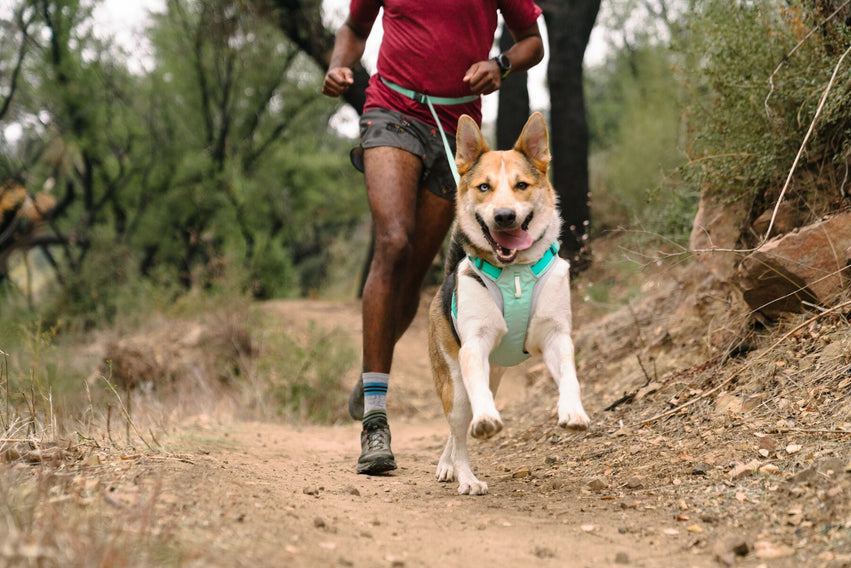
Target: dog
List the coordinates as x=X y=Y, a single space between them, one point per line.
x=505 y=294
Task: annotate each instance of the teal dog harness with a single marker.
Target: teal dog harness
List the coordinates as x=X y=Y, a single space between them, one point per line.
x=515 y=289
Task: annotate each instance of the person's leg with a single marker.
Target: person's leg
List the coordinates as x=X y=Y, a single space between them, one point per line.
x=392 y=180
x=410 y=226
x=392 y=184
x=434 y=217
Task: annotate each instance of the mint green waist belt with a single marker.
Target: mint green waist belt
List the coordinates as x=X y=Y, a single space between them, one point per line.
x=430 y=101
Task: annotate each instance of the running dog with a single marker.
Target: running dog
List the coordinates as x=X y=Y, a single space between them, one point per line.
x=505 y=295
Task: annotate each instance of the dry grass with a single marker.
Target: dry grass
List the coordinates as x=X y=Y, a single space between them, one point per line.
x=79 y=472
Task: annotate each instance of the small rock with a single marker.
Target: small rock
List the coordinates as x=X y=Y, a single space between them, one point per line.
x=793 y=449
x=621 y=558
x=635 y=482
x=598 y=484
x=551 y=460
x=319 y=523
x=768 y=551
x=742 y=470
x=522 y=472
x=544 y=552
x=352 y=490
x=831 y=466
x=729 y=548
x=311 y=490
x=769 y=469
x=805 y=475
x=699 y=469
x=708 y=518
x=767 y=443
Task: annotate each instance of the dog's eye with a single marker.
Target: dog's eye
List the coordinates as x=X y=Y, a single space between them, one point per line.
x=483 y=187
x=521 y=185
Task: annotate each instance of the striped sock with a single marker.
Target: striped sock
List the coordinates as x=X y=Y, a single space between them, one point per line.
x=375 y=396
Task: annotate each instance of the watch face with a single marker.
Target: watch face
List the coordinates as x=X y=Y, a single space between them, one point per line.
x=504 y=62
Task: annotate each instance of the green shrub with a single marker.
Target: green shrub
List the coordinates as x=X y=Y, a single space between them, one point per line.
x=744 y=133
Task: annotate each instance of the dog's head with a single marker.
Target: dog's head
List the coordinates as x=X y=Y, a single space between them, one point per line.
x=506 y=205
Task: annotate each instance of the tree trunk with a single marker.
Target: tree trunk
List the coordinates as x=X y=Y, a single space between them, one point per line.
x=569 y=25
x=513 y=101
x=301 y=21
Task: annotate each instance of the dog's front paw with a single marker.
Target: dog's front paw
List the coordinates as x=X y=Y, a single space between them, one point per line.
x=445 y=472
x=576 y=420
x=473 y=487
x=485 y=425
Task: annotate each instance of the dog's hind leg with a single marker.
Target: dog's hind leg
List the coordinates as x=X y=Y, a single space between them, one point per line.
x=559 y=358
x=446 y=465
x=455 y=461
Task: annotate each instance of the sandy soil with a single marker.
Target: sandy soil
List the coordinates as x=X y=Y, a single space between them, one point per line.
x=715 y=441
x=270 y=494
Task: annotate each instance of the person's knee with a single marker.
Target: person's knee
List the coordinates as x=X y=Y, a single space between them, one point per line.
x=393 y=247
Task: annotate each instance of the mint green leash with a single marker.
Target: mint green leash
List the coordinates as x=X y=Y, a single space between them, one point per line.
x=430 y=101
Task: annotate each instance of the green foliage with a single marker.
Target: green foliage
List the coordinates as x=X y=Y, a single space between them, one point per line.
x=634 y=120
x=299 y=375
x=215 y=164
x=744 y=133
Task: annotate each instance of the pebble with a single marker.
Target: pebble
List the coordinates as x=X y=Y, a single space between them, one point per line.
x=597 y=484
x=635 y=482
x=522 y=472
x=729 y=548
x=621 y=558
x=699 y=469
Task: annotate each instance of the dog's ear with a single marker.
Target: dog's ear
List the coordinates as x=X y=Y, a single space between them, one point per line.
x=534 y=141
x=470 y=144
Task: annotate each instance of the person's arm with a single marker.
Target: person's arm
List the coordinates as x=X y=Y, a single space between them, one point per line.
x=349 y=45
x=485 y=77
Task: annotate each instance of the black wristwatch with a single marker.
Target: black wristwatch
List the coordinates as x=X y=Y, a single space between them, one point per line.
x=504 y=64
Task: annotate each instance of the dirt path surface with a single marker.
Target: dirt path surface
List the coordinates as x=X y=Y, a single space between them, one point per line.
x=271 y=494
x=698 y=455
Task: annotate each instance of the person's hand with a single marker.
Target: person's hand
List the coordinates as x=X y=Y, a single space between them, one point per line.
x=337 y=81
x=483 y=77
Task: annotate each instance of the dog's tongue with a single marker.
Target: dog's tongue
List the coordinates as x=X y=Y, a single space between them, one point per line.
x=515 y=239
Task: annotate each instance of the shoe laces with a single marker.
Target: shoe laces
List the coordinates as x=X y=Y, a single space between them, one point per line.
x=377 y=436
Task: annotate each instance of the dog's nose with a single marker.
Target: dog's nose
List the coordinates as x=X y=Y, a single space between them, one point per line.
x=504 y=217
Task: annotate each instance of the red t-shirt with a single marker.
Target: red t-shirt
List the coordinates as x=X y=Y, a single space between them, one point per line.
x=428 y=47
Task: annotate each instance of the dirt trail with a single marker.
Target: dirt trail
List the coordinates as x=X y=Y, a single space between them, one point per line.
x=271 y=494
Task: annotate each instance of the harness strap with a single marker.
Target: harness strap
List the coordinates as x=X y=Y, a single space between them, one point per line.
x=430 y=101
x=537 y=268
x=516 y=298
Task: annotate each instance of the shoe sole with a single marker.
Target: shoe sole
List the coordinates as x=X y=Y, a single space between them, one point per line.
x=379 y=465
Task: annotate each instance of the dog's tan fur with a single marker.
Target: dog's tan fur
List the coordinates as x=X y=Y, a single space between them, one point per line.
x=493 y=183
